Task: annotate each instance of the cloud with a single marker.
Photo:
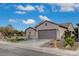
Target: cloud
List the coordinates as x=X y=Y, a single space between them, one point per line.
x=40 y=8
x=27 y=8
x=44 y=18
x=29 y=21
x=12 y=20
x=20 y=12
x=66 y=7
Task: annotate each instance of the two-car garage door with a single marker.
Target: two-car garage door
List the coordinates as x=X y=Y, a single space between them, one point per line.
x=47 y=34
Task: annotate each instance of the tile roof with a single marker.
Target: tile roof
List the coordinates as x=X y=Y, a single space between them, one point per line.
x=50 y=22
x=66 y=24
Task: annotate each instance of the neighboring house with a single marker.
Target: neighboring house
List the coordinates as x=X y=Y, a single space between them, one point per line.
x=78 y=32
x=1 y=36
x=48 y=30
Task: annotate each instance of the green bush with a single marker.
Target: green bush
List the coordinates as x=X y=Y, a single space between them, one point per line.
x=69 y=41
x=19 y=39
x=15 y=39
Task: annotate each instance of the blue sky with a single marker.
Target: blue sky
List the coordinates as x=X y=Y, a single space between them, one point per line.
x=24 y=15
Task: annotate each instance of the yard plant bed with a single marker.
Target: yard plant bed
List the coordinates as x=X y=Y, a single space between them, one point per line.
x=15 y=39
x=51 y=45
x=70 y=48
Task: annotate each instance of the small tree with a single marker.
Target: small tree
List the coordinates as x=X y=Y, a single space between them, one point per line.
x=69 y=40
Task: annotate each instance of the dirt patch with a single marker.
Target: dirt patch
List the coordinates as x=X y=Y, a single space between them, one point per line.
x=61 y=46
x=70 y=48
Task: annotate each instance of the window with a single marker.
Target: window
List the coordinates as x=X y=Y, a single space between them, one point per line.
x=45 y=24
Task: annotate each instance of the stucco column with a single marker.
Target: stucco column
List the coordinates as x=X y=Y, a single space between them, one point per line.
x=37 y=34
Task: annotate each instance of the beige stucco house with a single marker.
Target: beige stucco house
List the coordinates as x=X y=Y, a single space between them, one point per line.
x=48 y=30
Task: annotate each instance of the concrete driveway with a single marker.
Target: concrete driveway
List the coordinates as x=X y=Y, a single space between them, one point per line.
x=32 y=48
x=24 y=48
x=11 y=50
x=34 y=42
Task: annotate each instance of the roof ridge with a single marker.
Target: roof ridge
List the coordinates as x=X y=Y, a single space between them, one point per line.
x=50 y=22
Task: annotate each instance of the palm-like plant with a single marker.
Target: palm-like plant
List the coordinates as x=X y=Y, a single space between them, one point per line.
x=69 y=40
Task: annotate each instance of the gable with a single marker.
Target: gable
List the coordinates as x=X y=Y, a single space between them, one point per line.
x=30 y=28
x=70 y=27
x=50 y=24
x=47 y=25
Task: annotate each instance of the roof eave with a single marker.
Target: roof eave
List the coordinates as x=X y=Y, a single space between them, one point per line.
x=29 y=28
x=52 y=23
x=63 y=26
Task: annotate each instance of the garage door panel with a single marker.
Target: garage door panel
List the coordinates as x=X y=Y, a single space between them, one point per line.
x=47 y=34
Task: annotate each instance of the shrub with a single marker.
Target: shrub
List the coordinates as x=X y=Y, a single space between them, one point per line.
x=69 y=41
x=15 y=39
x=19 y=39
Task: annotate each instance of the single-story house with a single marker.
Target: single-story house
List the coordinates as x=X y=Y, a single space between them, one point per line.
x=48 y=30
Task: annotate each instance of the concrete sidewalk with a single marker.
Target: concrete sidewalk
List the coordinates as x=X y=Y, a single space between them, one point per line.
x=56 y=51
x=35 y=43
